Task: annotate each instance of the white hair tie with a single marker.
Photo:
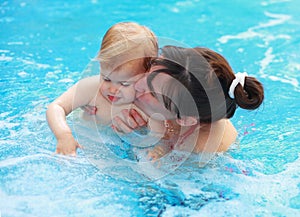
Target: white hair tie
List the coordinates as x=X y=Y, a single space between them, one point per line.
x=239 y=79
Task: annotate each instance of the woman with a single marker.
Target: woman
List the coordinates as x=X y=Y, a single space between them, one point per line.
x=196 y=92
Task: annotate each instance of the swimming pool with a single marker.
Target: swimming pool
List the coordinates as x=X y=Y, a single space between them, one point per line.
x=45 y=45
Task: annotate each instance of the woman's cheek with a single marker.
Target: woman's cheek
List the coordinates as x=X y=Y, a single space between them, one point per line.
x=131 y=93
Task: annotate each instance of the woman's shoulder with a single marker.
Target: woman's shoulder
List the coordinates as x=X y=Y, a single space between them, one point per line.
x=229 y=136
x=217 y=136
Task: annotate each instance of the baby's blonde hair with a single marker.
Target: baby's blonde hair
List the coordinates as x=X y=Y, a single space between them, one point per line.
x=127 y=41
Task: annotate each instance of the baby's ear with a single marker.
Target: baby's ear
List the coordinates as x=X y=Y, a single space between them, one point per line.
x=187 y=121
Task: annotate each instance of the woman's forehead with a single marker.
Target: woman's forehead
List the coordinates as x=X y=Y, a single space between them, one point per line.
x=161 y=78
x=156 y=67
x=159 y=81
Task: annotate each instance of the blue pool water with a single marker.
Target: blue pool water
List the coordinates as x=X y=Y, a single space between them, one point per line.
x=45 y=45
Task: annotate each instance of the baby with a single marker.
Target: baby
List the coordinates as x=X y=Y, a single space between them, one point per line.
x=124 y=57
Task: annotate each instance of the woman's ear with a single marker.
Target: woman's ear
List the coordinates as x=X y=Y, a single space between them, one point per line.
x=187 y=121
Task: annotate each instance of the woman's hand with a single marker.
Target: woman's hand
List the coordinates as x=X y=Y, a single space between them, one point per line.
x=129 y=121
x=158 y=152
x=67 y=145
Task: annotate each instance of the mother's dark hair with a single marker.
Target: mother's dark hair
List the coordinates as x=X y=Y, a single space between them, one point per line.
x=207 y=76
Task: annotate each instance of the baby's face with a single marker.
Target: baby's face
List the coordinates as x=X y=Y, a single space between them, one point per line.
x=118 y=86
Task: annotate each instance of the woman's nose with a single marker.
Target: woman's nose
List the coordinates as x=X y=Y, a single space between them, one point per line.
x=141 y=85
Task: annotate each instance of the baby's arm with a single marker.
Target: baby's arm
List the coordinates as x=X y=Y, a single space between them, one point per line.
x=89 y=109
x=78 y=95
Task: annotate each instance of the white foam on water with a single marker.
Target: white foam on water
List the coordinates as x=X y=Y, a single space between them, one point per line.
x=252 y=33
x=32 y=62
x=23 y=74
x=247 y=195
x=5 y=58
x=8 y=125
x=15 y=43
x=66 y=80
x=4 y=51
x=292 y=81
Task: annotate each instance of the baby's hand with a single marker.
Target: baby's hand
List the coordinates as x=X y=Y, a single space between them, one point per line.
x=129 y=121
x=91 y=110
x=67 y=145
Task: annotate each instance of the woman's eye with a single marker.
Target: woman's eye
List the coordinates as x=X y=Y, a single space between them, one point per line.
x=125 y=84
